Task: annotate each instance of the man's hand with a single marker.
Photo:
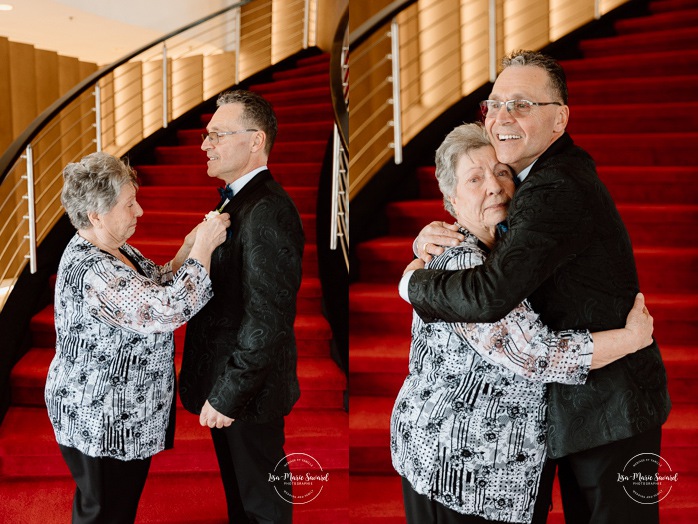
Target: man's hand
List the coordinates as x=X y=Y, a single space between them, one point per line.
x=434 y=238
x=212 y=418
x=417 y=263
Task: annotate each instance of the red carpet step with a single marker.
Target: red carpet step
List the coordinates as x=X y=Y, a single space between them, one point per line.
x=687 y=18
x=664 y=63
x=634 y=90
x=638 y=118
x=671 y=39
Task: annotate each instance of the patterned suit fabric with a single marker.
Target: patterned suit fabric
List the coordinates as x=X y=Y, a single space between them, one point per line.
x=111 y=384
x=569 y=252
x=468 y=426
x=240 y=349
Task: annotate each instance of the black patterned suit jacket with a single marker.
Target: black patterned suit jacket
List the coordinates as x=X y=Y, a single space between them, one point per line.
x=240 y=349
x=569 y=252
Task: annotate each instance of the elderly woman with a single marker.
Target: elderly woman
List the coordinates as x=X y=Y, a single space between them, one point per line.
x=110 y=387
x=468 y=426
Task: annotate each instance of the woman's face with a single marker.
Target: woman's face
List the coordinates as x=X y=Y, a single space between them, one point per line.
x=119 y=224
x=483 y=191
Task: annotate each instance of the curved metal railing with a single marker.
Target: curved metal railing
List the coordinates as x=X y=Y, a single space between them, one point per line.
x=339 y=85
x=415 y=58
x=118 y=106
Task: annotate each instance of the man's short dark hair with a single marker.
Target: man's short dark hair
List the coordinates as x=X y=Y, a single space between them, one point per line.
x=257 y=113
x=556 y=75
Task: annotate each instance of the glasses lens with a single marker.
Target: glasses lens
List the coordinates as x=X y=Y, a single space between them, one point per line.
x=490 y=108
x=212 y=137
x=520 y=107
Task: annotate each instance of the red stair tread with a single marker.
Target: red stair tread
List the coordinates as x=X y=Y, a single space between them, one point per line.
x=311 y=81
x=673 y=39
x=642 y=64
x=636 y=90
x=667 y=20
x=303 y=71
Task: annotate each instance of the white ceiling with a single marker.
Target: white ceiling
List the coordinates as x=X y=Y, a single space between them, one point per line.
x=98 y=31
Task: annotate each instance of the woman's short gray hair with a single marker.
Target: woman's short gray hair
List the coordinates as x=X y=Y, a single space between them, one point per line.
x=93 y=186
x=460 y=141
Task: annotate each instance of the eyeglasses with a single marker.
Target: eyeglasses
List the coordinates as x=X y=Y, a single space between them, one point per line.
x=516 y=108
x=214 y=136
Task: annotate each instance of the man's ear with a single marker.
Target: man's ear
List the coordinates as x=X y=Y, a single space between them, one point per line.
x=563 y=116
x=259 y=141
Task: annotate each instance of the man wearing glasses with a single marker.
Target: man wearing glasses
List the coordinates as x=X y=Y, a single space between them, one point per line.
x=568 y=252
x=239 y=366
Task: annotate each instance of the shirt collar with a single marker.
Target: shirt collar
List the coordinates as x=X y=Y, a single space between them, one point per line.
x=524 y=172
x=238 y=184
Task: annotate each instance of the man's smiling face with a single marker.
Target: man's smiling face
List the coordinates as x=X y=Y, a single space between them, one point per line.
x=520 y=141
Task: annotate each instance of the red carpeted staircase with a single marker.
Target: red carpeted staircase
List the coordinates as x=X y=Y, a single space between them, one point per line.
x=633 y=107
x=184 y=485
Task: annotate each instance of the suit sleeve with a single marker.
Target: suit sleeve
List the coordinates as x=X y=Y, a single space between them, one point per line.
x=272 y=249
x=548 y=223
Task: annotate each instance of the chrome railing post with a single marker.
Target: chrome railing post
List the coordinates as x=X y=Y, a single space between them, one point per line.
x=337 y=151
x=395 y=81
x=493 y=40
x=165 y=96
x=98 y=117
x=31 y=215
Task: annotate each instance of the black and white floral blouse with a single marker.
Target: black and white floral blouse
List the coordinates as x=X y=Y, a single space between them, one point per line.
x=111 y=384
x=468 y=426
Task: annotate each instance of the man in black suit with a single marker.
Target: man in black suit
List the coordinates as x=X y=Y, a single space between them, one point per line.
x=239 y=366
x=568 y=251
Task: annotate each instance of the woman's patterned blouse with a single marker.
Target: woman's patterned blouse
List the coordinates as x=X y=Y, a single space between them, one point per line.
x=468 y=426
x=111 y=384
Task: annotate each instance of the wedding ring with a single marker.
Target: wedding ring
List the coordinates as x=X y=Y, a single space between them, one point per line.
x=424 y=247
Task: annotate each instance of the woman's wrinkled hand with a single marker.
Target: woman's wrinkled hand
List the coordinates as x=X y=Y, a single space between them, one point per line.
x=640 y=323
x=212 y=232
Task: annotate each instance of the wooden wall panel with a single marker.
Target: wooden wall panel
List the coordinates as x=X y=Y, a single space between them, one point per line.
x=187 y=84
x=219 y=73
x=22 y=86
x=255 y=37
x=6 y=131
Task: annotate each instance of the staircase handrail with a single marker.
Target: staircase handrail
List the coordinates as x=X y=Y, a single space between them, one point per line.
x=339 y=89
x=14 y=151
x=377 y=21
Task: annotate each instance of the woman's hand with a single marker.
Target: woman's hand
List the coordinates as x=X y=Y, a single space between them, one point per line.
x=640 y=323
x=211 y=233
x=434 y=238
x=613 y=344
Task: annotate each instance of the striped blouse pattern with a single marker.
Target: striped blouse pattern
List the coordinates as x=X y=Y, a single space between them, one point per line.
x=468 y=425
x=110 y=385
